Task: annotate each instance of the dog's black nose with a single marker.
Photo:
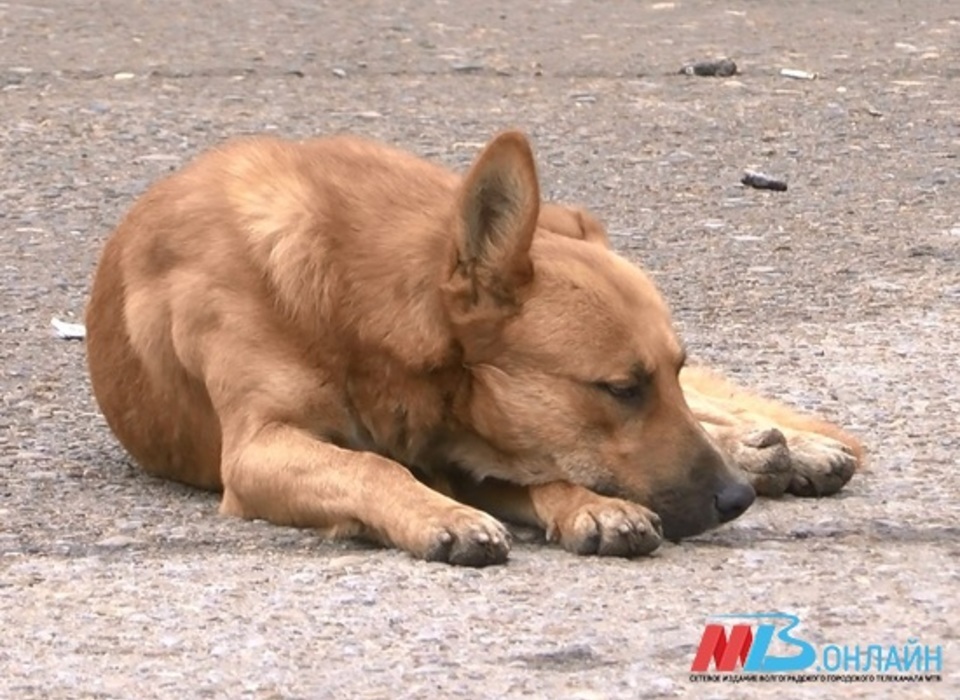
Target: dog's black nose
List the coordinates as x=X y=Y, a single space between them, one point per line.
x=734 y=499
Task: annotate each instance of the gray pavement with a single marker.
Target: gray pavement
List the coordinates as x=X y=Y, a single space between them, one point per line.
x=841 y=295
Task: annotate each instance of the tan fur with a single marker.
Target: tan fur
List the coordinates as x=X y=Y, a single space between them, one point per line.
x=307 y=326
x=731 y=405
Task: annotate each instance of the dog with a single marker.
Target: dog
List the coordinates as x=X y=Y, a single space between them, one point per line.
x=339 y=335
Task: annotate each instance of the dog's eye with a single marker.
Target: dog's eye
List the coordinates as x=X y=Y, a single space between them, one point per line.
x=628 y=392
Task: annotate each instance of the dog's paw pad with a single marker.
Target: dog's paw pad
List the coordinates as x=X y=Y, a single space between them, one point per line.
x=612 y=528
x=469 y=538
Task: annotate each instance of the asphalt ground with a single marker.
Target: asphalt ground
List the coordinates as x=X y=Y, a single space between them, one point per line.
x=841 y=295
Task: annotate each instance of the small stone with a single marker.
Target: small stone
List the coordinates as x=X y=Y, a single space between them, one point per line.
x=339 y=72
x=834 y=109
x=117 y=542
x=346 y=560
x=123 y=76
x=760 y=181
x=884 y=286
x=467 y=67
x=661 y=686
x=720 y=68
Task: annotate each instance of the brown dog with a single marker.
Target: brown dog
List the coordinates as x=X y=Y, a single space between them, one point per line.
x=344 y=337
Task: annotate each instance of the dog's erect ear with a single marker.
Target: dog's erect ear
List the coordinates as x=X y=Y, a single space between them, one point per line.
x=497 y=208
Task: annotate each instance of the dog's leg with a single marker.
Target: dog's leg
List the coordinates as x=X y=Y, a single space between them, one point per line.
x=582 y=521
x=265 y=394
x=779 y=449
x=286 y=476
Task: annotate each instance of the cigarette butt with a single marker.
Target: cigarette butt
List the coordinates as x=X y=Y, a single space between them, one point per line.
x=798 y=74
x=68 y=331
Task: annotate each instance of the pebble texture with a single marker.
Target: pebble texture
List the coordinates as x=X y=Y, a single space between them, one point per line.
x=841 y=295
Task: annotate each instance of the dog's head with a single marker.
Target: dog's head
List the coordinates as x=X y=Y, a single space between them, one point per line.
x=572 y=355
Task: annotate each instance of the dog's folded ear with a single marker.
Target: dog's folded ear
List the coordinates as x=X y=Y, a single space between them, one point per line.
x=573 y=222
x=495 y=219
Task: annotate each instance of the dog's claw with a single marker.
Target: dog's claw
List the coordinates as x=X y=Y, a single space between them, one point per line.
x=801 y=486
x=657 y=524
x=472 y=539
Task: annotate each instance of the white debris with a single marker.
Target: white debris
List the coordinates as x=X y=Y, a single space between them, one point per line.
x=798 y=74
x=68 y=331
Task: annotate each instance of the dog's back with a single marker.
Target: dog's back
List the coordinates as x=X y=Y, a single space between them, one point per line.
x=250 y=221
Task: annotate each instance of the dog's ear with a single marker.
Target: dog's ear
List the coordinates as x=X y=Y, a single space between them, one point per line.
x=497 y=208
x=573 y=222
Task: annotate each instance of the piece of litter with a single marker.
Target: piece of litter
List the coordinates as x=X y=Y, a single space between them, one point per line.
x=160 y=157
x=68 y=331
x=763 y=182
x=720 y=68
x=798 y=74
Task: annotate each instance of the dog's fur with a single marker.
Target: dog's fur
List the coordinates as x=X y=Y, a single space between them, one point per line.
x=345 y=337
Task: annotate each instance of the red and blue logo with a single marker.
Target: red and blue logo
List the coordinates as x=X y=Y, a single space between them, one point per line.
x=748 y=646
x=767 y=647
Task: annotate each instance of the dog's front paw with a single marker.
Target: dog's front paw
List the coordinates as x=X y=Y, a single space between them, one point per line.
x=819 y=466
x=608 y=527
x=465 y=537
